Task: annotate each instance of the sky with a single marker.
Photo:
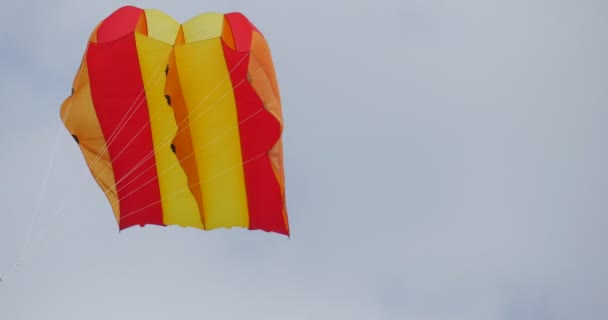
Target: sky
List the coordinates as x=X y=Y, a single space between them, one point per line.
x=444 y=160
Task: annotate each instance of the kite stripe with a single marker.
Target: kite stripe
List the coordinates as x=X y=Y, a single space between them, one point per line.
x=117 y=92
x=259 y=131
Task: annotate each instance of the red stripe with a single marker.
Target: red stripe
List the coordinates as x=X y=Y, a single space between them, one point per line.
x=118 y=24
x=116 y=82
x=259 y=131
x=241 y=31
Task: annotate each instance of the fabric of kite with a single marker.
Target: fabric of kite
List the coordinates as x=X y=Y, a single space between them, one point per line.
x=180 y=124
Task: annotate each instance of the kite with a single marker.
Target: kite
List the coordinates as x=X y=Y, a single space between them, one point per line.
x=180 y=124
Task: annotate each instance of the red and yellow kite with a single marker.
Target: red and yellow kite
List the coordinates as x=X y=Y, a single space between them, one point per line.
x=181 y=124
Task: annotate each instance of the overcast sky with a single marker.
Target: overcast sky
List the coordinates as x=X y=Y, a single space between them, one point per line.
x=444 y=160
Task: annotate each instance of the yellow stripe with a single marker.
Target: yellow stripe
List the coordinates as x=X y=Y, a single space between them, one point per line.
x=179 y=206
x=203 y=27
x=161 y=26
x=183 y=140
x=213 y=120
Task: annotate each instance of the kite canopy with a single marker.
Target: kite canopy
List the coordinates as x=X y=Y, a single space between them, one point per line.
x=181 y=124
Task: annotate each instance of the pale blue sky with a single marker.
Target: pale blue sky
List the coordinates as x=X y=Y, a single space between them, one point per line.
x=444 y=160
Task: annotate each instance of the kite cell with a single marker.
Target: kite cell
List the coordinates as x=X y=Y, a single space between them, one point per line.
x=181 y=124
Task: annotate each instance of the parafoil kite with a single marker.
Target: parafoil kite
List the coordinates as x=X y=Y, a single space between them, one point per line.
x=180 y=124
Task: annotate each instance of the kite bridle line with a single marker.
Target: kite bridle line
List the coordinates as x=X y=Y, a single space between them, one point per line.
x=215 y=139
x=168 y=138
x=156 y=148
x=41 y=194
x=175 y=194
x=43 y=190
x=237 y=165
x=122 y=124
x=167 y=170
